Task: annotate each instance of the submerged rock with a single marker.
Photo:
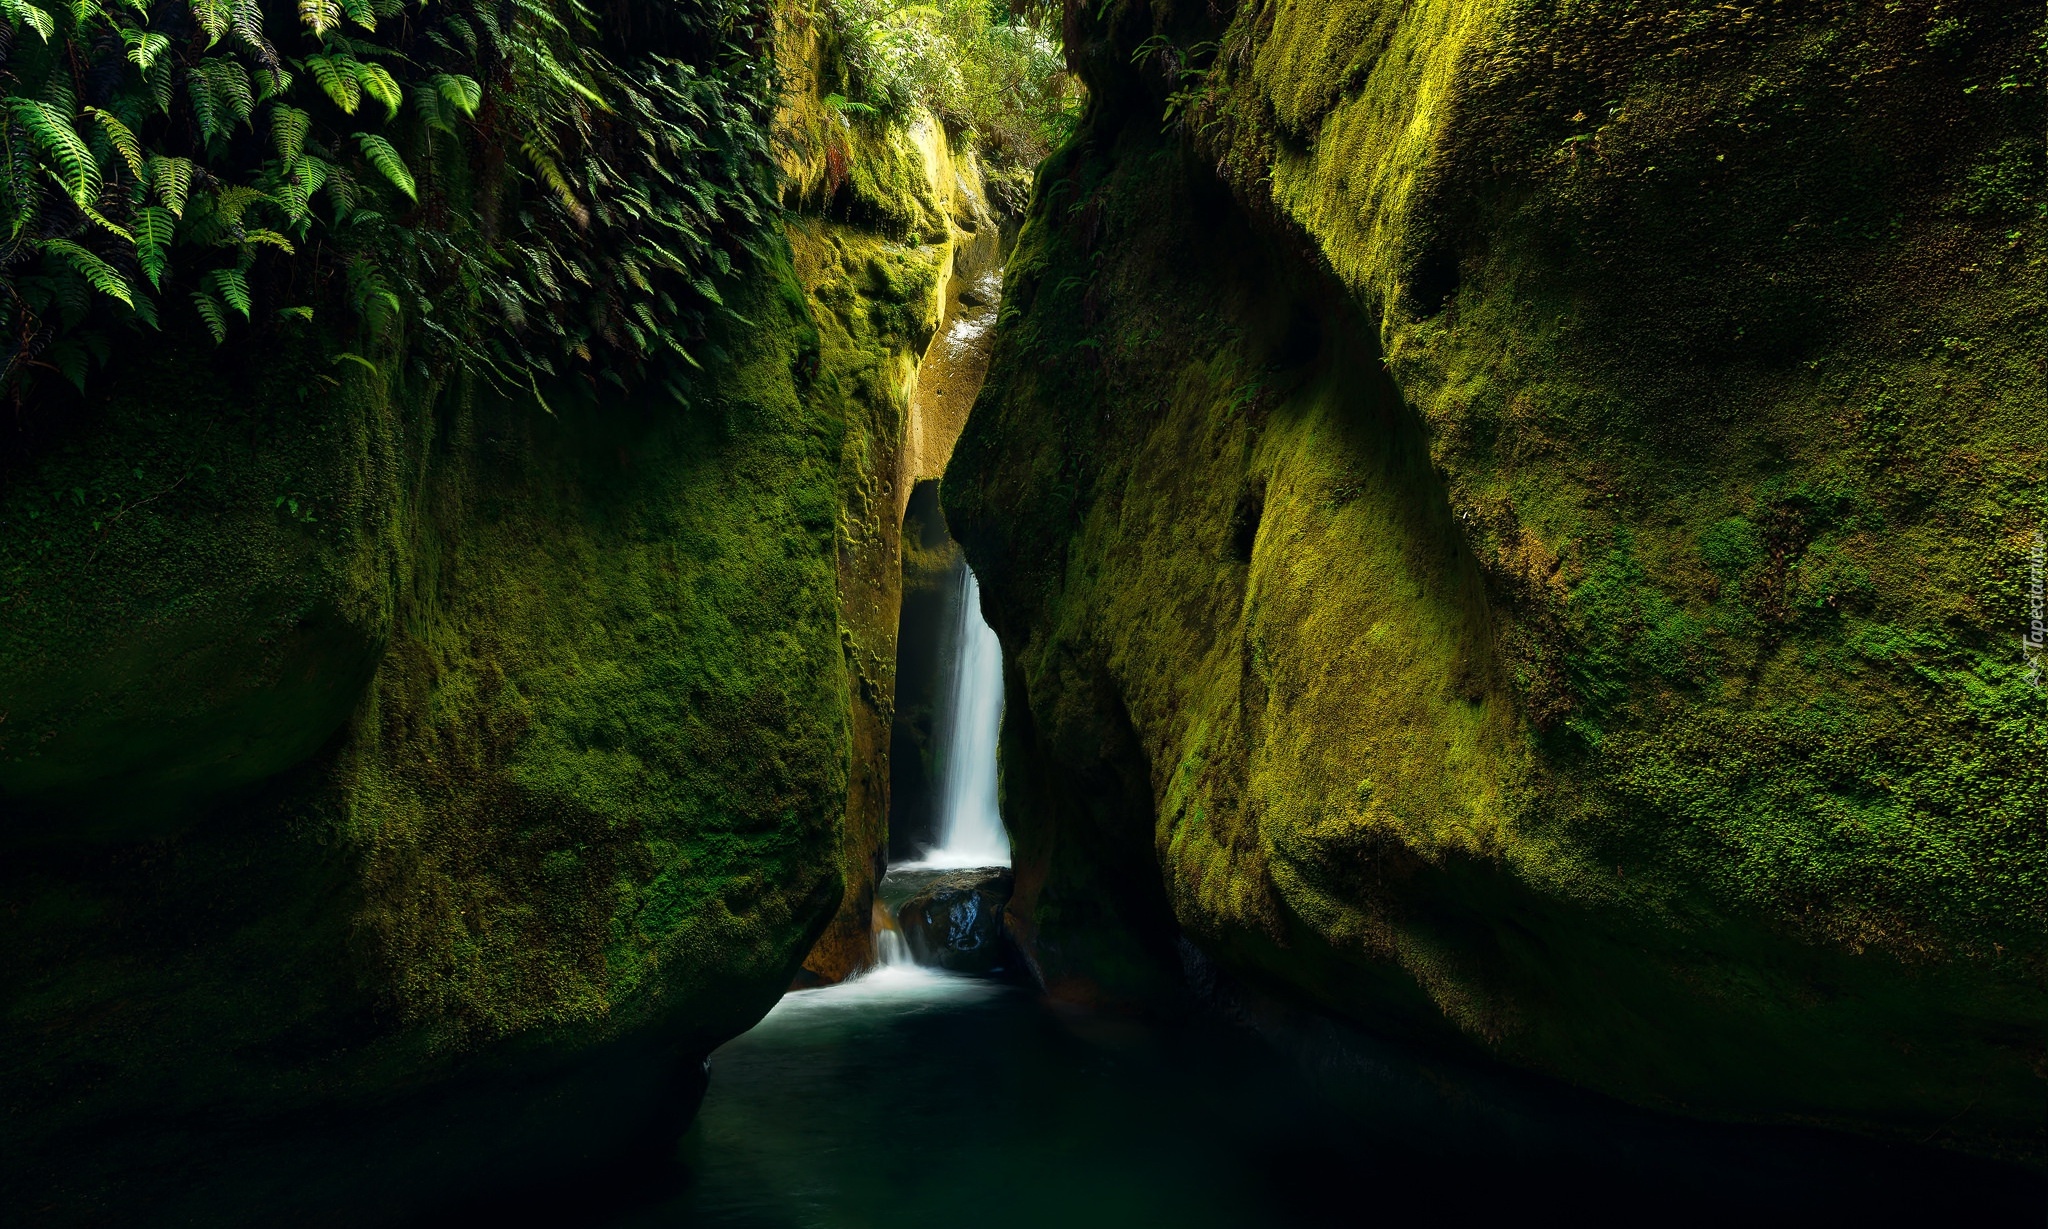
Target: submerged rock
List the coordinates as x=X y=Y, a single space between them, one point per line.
x=956 y=920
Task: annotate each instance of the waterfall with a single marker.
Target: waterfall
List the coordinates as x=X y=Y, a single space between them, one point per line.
x=970 y=829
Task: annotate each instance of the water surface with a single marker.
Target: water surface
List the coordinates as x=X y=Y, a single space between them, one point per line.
x=917 y=1098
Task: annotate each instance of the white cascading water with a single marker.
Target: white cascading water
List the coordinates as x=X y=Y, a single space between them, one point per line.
x=970 y=827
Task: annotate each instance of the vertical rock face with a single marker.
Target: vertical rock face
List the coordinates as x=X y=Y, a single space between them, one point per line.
x=404 y=789
x=506 y=742
x=1513 y=519
x=890 y=318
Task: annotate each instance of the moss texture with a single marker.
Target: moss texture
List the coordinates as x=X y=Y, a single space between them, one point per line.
x=1521 y=510
x=405 y=789
x=580 y=706
x=875 y=303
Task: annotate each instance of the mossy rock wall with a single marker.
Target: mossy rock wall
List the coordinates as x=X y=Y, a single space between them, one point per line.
x=1512 y=520
x=405 y=789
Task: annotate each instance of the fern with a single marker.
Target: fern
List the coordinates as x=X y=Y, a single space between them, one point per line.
x=144 y=47
x=154 y=226
x=154 y=230
x=219 y=89
x=337 y=77
x=232 y=285
x=213 y=313
x=268 y=238
x=288 y=127
x=98 y=273
x=247 y=20
x=378 y=84
x=462 y=93
x=319 y=16
x=29 y=15
x=382 y=156
x=123 y=140
x=51 y=128
x=234 y=200
x=213 y=17
x=360 y=12
x=172 y=179
x=552 y=175
x=432 y=108
x=99 y=219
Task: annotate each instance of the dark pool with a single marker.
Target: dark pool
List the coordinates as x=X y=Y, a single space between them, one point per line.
x=915 y=1098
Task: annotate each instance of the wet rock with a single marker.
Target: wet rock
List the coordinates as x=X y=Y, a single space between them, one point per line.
x=971 y=297
x=956 y=920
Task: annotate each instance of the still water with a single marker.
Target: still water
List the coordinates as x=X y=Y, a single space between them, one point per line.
x=918 y=1098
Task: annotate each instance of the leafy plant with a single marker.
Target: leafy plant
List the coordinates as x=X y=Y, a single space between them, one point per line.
x=977 y=65
x=468 y=183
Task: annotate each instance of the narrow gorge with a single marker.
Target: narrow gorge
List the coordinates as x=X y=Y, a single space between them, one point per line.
x=1289 y=612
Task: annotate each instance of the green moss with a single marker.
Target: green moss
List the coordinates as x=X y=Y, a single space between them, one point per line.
x=585 y=799
x=1672 y=633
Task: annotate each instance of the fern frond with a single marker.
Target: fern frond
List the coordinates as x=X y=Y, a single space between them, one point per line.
x=319 y=16
x=98 y=272
x=172 y=179
x=213 y=17
x=154 y=230
x=232 y=285
x=360 y=12
x=158 y=79
x=288 y=127
x=551 y=175
x=336 y=76
x=144 y=47
x=462 y=93
x=124 y=140
x=101 y=220
x=432 y=108
x=51 y=128
x=213 y=313
x=276 y=82
x=233 y=200
x=269 y=238
x=388 y=163
x=32 y=17
x=247 y=20
x=464 y=32
x=220 y=96
x=153 y=262
x=234 y=88
x=154 y=226
x=378 y=84
x=311 y=173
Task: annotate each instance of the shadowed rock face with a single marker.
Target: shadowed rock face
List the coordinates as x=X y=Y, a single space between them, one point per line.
x=956 y=920
x=1513 y=520
x=398 y=806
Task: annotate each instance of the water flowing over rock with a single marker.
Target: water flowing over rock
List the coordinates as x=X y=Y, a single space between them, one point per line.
x=956 y=920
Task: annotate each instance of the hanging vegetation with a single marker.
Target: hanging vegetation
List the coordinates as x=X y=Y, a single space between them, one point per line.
x=976 y=64
x=530 y=187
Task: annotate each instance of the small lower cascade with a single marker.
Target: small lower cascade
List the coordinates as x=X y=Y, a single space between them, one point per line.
x=970 y=826
x=891 y=952
x=943 y=910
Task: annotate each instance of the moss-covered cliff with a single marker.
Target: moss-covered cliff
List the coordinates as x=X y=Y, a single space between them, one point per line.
x=406 y=785
x=1512 y=519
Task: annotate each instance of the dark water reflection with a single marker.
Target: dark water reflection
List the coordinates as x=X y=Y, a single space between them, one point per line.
x=921 y=1099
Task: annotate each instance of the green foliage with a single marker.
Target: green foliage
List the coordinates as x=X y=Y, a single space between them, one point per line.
x=638 y=182
x=975 y=64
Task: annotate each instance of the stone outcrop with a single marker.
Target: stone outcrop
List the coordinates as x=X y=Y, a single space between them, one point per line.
x=1511 y=520
x=955 y=921
x=413 y=777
